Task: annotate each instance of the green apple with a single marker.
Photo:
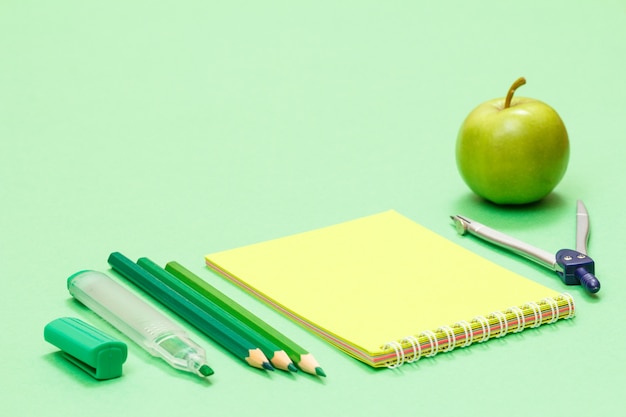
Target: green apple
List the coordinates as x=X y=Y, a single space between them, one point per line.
x=512 y=150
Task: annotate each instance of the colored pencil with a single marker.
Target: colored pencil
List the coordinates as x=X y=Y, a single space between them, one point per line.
x=300 y=356
x=211 y=327
x=276 y=355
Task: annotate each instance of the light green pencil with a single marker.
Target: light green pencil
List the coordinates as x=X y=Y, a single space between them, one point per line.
x=300 y=356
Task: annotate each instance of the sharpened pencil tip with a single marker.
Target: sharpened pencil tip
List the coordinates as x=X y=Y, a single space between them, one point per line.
x=292 y=367
x=258 y=360
x=309 y=365
x=280 y=360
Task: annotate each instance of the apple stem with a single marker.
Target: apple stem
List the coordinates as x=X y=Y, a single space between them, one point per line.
x=518 y=83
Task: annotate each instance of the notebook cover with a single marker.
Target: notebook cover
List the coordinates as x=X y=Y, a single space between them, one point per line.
x=383 y=288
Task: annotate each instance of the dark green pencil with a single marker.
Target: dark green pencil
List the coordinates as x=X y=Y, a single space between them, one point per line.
x=298 y=354
x=275 y=354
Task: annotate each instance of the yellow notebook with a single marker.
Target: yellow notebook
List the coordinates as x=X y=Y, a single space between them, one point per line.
x=387 y=291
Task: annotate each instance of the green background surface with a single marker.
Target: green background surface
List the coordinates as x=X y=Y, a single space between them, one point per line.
x=173 y=129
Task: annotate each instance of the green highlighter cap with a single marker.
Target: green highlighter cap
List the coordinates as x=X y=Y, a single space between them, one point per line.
x=93 y=351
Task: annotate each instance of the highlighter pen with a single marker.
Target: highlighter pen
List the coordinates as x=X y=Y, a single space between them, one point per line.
x=141 y=322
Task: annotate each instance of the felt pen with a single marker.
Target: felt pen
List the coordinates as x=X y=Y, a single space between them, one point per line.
x=141 y=322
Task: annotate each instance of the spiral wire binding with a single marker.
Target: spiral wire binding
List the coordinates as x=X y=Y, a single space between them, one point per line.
x=415 y=345
x=503 y=323
x=485 y=330
x=485 y=327
x=468 y=335
x=554 y=309
x=397 y=347
x=451 y=343
x=432 y=340
x=519 y=315
x=536 y=311
x=571 y=305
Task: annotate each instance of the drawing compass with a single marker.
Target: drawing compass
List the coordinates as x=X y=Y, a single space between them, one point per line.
x=574 y=267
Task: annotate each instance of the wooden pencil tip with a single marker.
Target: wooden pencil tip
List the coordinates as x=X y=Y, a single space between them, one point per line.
x=257 y=359
x=309 y=364
x=281 y=360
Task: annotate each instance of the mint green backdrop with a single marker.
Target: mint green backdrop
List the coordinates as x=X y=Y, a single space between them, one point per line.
x=173 y=129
